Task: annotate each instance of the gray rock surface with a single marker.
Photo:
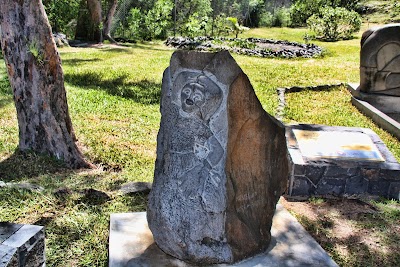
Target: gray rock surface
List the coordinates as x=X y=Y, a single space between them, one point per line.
x=135 y=188
x=221 y=165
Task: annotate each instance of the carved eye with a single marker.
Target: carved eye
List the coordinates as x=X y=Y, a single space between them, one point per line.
x=198 y=96
x=187 y=91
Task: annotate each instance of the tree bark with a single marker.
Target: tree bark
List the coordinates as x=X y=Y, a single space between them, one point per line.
x=89 y=21
x=36 y=77
x=112 y=7
x=95 y=28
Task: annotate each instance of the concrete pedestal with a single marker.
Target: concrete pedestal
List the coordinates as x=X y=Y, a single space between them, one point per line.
x=132 y=244
x=21 y=245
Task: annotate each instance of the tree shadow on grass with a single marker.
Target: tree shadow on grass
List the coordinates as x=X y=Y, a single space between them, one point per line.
x=375 y=238
x=27 y=165
x=77 y=61
x=5 y=101
x=144 y=92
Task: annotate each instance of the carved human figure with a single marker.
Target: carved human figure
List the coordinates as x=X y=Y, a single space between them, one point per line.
x=192 y=167
x=196 y=153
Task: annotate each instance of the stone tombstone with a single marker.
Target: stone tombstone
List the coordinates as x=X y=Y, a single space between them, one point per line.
x=222 y=163
x=380 y=61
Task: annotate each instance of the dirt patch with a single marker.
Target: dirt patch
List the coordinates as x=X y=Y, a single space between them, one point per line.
x=352 y=231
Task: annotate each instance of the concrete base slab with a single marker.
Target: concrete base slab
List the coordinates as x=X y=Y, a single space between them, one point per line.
x=370 y=106
x=131 y=244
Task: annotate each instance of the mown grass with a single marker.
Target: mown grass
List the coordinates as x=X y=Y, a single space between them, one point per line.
x=113 y=95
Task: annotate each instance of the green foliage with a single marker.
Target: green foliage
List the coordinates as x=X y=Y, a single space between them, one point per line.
x=192 y=16
x=135 y=24
x=158 y=20
x=266 y=19
x=333 y=24
x=151 y=24
x=34 y=50
x=219 y=26
x=280 y=18
x=235 y=27
x=301 y=10
x=62 y=15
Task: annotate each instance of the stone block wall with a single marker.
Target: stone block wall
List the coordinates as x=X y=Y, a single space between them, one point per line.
x=342 y=177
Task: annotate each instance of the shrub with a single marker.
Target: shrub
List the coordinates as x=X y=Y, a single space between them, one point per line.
x=281 y=18
x=220 y=26
x=151 y=24
x=266 y=20
x=301 y=10
x=333 y=24
x=235 y=27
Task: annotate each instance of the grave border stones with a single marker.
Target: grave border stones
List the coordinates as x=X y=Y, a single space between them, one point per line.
x=336 y=177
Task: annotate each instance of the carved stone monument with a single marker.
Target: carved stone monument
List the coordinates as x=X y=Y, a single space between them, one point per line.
x=378 y=95
x=221 y=165
x=380 y=68
x=380 y=61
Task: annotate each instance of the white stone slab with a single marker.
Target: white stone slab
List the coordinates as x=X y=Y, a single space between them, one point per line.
x=337 y=145
x=132 y=244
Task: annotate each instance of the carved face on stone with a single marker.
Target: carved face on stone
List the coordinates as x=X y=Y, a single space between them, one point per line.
x=200 y=96
x=192 y=97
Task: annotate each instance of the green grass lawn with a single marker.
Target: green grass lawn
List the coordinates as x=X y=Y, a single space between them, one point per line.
x=113 y=94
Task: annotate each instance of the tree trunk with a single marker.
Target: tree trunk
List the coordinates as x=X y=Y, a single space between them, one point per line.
x=81 y=31
x=36 y=77
x=112 y=7
x=89 y=21
x=95 y=25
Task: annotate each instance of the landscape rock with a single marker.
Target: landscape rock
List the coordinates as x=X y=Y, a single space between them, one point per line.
x=21 y=245
x=221 y=166
x=136 y=188
x=26 y=186
x=251 y=46
x=60 y=39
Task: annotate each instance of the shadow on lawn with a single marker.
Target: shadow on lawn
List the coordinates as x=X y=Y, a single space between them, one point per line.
x=375 y=239
x=5 y=102
x=144 y=92
x=27 y=165
x=77 y=61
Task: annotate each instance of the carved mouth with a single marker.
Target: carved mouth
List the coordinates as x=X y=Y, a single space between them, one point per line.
x=189 y=102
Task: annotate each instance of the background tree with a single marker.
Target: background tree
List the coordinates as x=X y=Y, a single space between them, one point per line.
x=37 y=81
x=111 y=8
x=92 y=24
x=191 y=13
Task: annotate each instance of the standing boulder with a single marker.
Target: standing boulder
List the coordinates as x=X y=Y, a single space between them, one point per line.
x=221 y=166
